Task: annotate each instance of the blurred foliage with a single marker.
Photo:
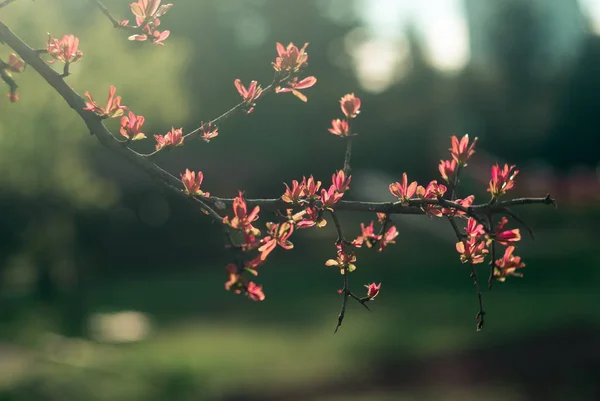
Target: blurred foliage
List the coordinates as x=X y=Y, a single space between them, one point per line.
x=112 y=289
x=45 y=133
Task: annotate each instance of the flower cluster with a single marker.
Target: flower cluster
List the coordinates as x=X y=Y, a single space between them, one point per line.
x=372 y=291
x=209 y=131
x=113 y=105
x=311 y=197
x=350 y=105
x=316 y=200
x=406 y=192
x=131 y=127
x=131 y=124
x=344 y=261
x=478 y=240
x=403 y=190
x=192 y=181
x=243 y=222
x=502 y=180
x=249 y=94
x=240 y=285
x=147 y=18
x=171 y=139
x=370 y=239
x=65 y=50
x=288 y=63
x=508 y=265
x=461 y=151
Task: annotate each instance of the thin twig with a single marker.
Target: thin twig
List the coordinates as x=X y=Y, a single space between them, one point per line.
x=492 y=256
x=218 y=120
x=361 y=301
x=344 y=301
x=338 y=227
x=66 y=72
x=116 y=23
x=214 y=122
x=106 y=12
x=479 y=316
x=500 y=205
x=460 y=236
x=455 y=181
x=520 y=221
x=341 y=241
x=481 y=313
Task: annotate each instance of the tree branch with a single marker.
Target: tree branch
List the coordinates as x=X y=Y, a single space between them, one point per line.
x=478 y=211
x=92 y=121
x=95 y=126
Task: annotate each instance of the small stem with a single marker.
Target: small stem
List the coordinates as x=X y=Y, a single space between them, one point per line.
x=347 y=156
x=338 y=227
x=216 y=121
x=341 y=241
x=360 y=301
x=479 y=316
x=481 y=313
x=66 y=72
x=492 y=255
x=459 y=235
x=116 y=23
x=344 y=301
x=455 y=181
x=520 y=220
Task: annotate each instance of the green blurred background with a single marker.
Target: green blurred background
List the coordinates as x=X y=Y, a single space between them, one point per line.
x=112 y=289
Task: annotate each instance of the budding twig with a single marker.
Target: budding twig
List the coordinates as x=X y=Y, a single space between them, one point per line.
x=481 y=313
x=229 y=113
x=341 y=241
x=413 y=207
x=482 y=214
x=346 y=293
x=460 y=236
x=116 y=23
